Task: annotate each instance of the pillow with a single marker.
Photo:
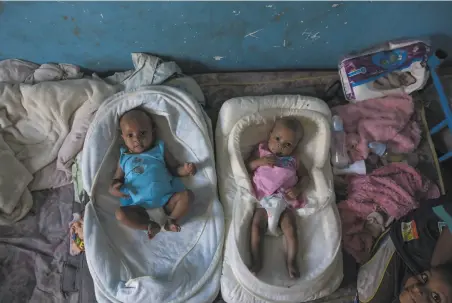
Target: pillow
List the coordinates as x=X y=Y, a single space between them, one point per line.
x=73 y=143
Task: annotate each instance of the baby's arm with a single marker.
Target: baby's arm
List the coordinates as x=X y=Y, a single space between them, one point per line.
x=176 y=169
x=294 y=192
x=254 y=161
x=117 y=182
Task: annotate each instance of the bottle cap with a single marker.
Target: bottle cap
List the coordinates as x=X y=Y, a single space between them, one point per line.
x=377 y=148
x=338 y=125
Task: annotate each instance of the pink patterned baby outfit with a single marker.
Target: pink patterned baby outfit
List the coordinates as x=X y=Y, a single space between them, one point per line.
x=270 y=183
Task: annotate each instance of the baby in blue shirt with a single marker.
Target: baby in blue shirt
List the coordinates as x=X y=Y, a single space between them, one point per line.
x=147 y=177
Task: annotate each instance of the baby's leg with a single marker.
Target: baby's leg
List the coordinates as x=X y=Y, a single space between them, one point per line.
x=258 y=227
x=176 y=208
x=288 y=225
x=136 y=217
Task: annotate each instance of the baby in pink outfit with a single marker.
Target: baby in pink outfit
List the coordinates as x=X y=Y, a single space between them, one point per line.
x=276 y=173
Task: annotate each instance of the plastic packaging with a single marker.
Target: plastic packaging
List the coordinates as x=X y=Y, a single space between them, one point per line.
x=339 y=156
x=77 y=244
x=358 y=167
x=391 y=68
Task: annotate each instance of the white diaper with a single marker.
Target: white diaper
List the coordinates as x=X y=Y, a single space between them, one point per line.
x=157 y=215
x=274 y=205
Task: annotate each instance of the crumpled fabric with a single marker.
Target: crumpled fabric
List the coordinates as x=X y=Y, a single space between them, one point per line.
x=394 y=189
x=19 y=71
x=387 y=120
x=147 y=70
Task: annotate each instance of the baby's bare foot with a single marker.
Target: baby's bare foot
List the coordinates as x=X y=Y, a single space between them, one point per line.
x=153 y=229
x=256 y=263
x=255 y=268
x=292 y=268
x=171 y=225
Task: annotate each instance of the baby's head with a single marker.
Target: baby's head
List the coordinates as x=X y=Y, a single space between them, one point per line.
x=434 y=285
x=285 y=136
x=137 y=130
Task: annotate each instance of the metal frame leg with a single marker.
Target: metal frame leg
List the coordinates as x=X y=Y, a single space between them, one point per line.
x=433 y=62
x=435 y=129
x=445 y=156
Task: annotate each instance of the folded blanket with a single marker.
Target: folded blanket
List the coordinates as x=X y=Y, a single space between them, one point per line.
x=34 y=122
x=386 y=120
x=394 y=190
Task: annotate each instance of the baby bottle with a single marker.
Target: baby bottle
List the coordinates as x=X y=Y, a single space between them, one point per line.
x=378 y=148
x=339 y=156
x=381 y=150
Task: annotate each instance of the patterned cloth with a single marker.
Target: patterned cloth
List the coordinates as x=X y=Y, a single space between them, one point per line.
x=388 y=120
x=394 y=190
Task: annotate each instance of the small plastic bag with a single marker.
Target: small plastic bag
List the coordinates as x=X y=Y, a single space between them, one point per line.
x=77 y=245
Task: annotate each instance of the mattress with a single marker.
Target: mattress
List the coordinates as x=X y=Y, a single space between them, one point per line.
x=242 y=123
x=173 y=267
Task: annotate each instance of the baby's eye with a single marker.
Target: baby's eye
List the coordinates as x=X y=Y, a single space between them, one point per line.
x=436 y=298
x=129 y=135
x=424 y=277
x=277 y=138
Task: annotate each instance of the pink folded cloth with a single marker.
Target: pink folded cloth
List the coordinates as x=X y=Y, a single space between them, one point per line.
x=387 y=120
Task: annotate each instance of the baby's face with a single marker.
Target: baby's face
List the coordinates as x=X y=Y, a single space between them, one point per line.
x=137 y=132
x=282 y=141
x=427 y=287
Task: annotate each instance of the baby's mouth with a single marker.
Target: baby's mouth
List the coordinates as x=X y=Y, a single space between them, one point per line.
x=274 y=153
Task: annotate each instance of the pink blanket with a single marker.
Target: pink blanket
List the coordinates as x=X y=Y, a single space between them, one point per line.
x=394 y=189
x=386 y=120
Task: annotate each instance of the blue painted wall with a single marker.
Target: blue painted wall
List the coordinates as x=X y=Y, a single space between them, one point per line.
x=221 y=36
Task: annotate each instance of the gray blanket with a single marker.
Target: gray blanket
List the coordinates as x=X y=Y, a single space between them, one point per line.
x=34 y=251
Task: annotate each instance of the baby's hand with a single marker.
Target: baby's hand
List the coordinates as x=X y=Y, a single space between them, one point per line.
x=188 y=169
x=292 y=193
x=115 y=189
x=267 y=161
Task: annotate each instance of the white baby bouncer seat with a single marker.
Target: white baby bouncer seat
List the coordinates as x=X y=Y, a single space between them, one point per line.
x=125 y=265
x=243 y=123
